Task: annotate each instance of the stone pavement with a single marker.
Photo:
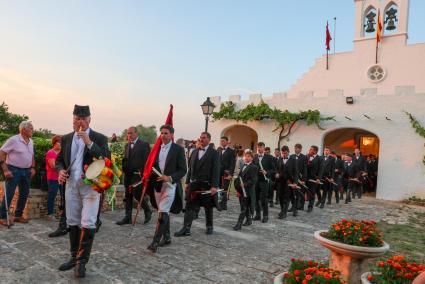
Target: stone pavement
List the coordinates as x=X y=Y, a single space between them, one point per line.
x=119 y=255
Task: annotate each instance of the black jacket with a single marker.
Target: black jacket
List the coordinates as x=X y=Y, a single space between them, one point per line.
x=286 y=170
x=98 y=149
x=269 y=165
x=313 y=167
x=300 y=167
x=361 y=163
x=339 y=167
x=206 y=169
x=227 y=161
x=249 y=177
x=327 y=167
x=351 y=171
x=135 y=159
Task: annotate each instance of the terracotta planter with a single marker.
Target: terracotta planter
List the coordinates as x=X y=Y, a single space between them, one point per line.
x=348 y=259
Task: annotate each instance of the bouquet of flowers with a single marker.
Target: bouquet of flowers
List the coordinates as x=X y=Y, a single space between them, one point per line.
x=353 y=232
x=309 y=271
x=395 y=270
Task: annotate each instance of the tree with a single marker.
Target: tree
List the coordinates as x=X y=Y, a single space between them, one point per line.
x=285 y=120
x=9 y=122
x=146 y=133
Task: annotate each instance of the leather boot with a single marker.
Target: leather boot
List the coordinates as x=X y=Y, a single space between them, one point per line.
x=166 y=237
x=238 y=225
x=74 y=241
x=161 y=227
x=209 y=221
x=83 y=255
x=62 y=229
x=187 y=223
x=127 y=217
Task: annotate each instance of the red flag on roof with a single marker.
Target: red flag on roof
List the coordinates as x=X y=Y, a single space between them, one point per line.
x=328 y=37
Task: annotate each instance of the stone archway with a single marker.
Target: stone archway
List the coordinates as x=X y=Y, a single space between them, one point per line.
x=344 y=140
x=242 y=135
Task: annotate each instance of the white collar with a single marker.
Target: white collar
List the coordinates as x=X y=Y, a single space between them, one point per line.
x=166 y=146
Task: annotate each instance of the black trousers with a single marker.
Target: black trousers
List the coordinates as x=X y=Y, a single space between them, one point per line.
x=328 y=188
x=247 y=204
x=286 y=194
x=195 y=200
x=311 y=192
x=261 y=198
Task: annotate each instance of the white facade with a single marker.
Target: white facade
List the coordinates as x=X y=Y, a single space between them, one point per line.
x=401 y=172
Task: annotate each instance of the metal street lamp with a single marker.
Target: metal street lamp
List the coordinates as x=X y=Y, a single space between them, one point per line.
x=207 y=110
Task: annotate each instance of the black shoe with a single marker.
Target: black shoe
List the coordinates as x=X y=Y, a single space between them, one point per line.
x=59 y=232
x=164 y=242
x=148 y=217
x=310 y=209
x=153 y=247
x=248 y=222
x=184 y=232
x=281 y=215
x=80 y=269
x=238 y=226
x=322 y=205
x=265 y=219
x=295 y=213
x=209 y=230
x=123 y=221
x=67 y=265
x=257 y=218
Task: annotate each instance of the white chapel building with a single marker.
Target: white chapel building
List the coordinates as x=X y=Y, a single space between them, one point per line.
x=368 y=100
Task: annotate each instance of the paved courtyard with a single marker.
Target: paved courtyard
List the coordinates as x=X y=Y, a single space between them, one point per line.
x=119 y=255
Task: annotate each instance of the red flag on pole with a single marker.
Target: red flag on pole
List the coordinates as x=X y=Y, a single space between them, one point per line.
x=328 y=37
x=379 y=28
x=150 y=161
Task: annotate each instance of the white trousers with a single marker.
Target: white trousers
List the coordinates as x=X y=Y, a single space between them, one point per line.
x=82 y=204
x=164 y=198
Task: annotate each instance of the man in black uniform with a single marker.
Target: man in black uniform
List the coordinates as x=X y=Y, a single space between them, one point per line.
x=300 y=178
x=266 y=169
x=327 y=173
x=313 y=176
x=227 y=161
x=284 y=175
x=203 y=175
x=360 y=161
x=245 y=187
x=339 y=170
x=135 y=155
x=351 y=174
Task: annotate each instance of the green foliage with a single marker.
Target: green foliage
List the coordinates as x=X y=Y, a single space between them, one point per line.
x=418 y=128
x=43 y=133
x=117 y=152
x=284 y=119
x=147 y=134
x=9 y=122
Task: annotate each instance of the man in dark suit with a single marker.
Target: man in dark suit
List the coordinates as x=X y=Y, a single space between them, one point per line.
x=339 y=170
x=313 y=176
x=284 y=176
x=327 y=173
x=266 y=169
x=171 y=163
x=227 y=162
x=245 y=188
x=203 y=175
x=300 y=178
x=351 y=177
x=361 y=163
x=136 y=153
x=79 y=148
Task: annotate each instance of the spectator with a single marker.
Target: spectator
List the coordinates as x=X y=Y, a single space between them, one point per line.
x=17 y=162
x=114 y=138
x=52 y=175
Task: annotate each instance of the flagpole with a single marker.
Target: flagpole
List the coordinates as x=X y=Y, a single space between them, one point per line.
x=376 y=53
x=334 y=34
x=327 y=59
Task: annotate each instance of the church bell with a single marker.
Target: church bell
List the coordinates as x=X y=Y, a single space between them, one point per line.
x=370 y=25
x=391 y=19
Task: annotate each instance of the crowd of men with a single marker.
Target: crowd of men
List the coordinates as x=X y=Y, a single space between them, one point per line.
x=201 y=175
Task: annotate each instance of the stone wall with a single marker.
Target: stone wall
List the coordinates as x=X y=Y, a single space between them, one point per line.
x=37 y=202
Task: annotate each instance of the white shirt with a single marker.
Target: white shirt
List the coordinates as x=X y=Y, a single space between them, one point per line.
x=201 y=152
x=163 y=153
x=77 y=153
x=134 y=142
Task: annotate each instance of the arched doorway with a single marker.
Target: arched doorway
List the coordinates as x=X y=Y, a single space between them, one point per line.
x=344 y=140
x=242 y=135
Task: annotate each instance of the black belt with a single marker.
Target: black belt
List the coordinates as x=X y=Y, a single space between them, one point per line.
x=18 y=167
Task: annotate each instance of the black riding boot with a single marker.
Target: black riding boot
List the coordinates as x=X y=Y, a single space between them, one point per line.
x=238 y=225
x=187 y=223
x=83 y=255
x=128 y=211
x=62 y=228
x=209 y=220
x=74 y=240
x=161 y=227
x=166 y=237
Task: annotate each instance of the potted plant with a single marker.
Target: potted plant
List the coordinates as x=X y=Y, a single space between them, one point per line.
x=308 y=271
x=351 y=242
x=395 y=270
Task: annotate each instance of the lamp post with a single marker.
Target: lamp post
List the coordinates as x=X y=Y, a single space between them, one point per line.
x=207 y=110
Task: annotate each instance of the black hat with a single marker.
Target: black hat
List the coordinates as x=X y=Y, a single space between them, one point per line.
x=81 y=111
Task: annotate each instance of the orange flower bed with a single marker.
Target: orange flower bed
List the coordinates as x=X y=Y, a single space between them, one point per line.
x=303 y=271
x=354 y=232
x=396 y=270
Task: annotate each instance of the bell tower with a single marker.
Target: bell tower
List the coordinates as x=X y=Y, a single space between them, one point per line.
x=394 y=16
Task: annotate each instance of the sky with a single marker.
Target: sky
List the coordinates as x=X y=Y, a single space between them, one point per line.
x=130 y=59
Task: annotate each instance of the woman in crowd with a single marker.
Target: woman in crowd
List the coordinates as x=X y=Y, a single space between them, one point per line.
x=52 y=175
